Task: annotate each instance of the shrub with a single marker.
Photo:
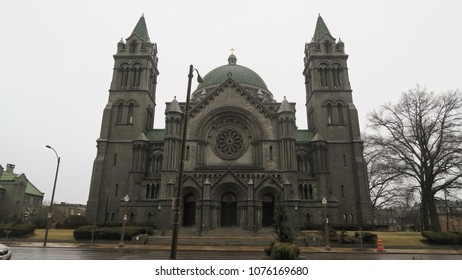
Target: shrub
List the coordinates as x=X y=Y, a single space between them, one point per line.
x=345 y=238
x=17 y=230
x=443 y=238
x=284 y=251
x=110 y=233
x=367 y=237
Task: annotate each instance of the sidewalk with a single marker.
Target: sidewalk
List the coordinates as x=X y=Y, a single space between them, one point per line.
x=130 y=245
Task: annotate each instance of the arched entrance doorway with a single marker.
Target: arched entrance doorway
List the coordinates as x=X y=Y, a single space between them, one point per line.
x=189 y=210
x=229 y=210
x=267 y=210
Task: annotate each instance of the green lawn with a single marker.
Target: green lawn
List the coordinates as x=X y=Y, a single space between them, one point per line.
x=412 y=239
x=57 y=234
x=401 y=238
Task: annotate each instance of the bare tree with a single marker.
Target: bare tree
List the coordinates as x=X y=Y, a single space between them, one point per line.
x=385 y=185
x=420 y=137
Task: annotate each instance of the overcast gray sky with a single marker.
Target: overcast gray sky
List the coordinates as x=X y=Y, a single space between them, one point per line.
x=57 y=63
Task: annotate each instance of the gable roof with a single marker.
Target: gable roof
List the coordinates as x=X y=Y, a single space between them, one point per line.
x=30 y=188
x=230 y=82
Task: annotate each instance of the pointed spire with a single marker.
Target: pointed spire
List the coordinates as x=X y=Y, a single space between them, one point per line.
x=141 y=29
x=321 y=29
x=174 y=106
x=285 y=107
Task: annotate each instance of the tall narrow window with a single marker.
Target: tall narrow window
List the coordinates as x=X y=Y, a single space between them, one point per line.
x=271 y=152
x=123 y=75
x=120 y=111
x=115 y=159
x=340 y=113
x=116 y=190
x=344 y=160
x=310 y=192
x=130 y=113
x=136 y=75
x=342 y=191
x=133 y=47
x=329 y=114
x=308 y=218
x=322 y=72
x=336 y=76
x=156 y=191
x=187 y=153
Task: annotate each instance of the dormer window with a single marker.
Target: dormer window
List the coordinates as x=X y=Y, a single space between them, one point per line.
x=133 y=45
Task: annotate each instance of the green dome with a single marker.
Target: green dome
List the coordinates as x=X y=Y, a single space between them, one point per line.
x=240 y=74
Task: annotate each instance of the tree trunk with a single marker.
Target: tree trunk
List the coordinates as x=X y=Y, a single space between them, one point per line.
x=424 y=211
x=435 y=221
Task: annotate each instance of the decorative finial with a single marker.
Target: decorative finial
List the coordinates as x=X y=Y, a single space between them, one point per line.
x=232 y=50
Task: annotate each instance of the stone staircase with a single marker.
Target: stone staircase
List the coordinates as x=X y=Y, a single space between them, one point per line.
x=219 y=237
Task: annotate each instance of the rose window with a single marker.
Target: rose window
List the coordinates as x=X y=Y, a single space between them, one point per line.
x=229 y=142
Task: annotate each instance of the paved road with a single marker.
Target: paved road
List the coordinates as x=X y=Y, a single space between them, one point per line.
x=39 y=253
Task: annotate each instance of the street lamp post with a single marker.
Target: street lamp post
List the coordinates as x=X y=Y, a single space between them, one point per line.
x=50 y=212
x=326 y=223
x=124 y=220
x=176 y=200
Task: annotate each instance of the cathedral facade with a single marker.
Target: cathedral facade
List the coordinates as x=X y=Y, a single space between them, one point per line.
x=243 y=151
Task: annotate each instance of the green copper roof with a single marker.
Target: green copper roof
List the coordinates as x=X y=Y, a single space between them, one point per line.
x=30 y=188
x=321 y=29
x=141 y=29
x=240 y=74
x=303 y=135
x=156 y=135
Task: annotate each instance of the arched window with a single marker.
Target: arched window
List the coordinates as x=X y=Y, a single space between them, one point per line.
x=123 y=75
x=340 y=113
x=136 y=75
x=351 y=218
x=130 y=113
x=120 y=112
x=323 y=70
x=330 y=117
x=308 y=218
x=310 y=192
x=336 y=75
x=133 y=46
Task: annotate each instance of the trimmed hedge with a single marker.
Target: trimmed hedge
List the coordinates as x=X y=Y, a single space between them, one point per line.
x=443 y=238
x=17 y=230
x=110 y=233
